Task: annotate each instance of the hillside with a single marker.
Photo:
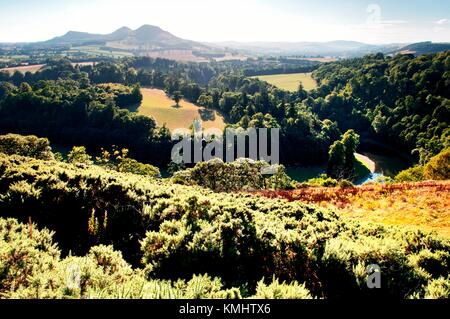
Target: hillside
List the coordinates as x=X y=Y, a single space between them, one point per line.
x=175 y=231
x=331 y=48
x=424 y=48
x=148 y=40
x=425 y=205
x=146 y=35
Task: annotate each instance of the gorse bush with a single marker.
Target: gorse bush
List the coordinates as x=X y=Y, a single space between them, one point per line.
x=31 y=146
x=275 y=290
x=31 y=267
x=240 y=175
x=176 y=232
x=438 y=168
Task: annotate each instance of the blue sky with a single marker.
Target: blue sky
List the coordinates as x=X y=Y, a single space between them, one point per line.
x=371 y=21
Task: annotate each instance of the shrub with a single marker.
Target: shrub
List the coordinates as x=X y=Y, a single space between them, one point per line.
x=345 y=184
x=78 y=155
x=281 y=291
x=30 y=146
x=413 y=174
x=322 y=181
x=178 y=231
x=243 y=174
x=438 y=168
x=129 y=165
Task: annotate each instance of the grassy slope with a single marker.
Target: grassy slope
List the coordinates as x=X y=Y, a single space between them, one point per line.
x=425 y=205
x=290 y=81
x=157 y=104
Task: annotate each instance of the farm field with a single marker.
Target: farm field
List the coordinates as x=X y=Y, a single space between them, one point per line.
x=24 y=69
x=425 y=205
x=290 y=82
x=322 y=60
x=157 y=104
x=97 y=51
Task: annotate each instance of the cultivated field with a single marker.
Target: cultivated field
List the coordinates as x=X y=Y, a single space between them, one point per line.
x=290 y=82
x=98 y=51
x=322 y=60
x=24 y=69
x=158 y=105
x=425 y=205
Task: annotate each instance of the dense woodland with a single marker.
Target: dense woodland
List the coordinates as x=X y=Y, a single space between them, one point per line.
x=401 y=102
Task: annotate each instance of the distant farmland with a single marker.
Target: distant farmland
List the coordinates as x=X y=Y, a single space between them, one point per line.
x=158 y=105
x=24 y=69
x=290 y=82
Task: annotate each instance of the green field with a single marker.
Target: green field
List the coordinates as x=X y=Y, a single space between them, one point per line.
x=97 y=51
x=290 y=82
x=157 y=104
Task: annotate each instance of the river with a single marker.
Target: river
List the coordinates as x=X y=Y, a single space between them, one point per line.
x=379 y=164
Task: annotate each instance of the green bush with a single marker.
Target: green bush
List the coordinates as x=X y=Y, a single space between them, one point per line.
x=413 y=174
x=323 y=181
x=438 y=168
x=243 y=174
x=78 y=155
x=281 y=291
x=30 y=146
x=345 y=184
x=177 y=232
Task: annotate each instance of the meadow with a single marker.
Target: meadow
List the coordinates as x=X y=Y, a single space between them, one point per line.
x=290 y=82
x=162 y=108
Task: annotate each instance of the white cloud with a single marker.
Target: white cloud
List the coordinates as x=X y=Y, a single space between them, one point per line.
x=443 y=21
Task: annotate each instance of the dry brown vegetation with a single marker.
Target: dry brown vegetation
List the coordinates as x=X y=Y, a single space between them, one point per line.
x=425 y=204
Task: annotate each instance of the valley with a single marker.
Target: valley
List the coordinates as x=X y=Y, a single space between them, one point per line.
x=334 y=184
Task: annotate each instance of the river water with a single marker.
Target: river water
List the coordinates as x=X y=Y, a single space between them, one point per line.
x=382 y=165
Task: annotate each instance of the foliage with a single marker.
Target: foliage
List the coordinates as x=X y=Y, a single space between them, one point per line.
x=118 y=160
x=243 y=174
x=31 y=267
x=341 y=161
x=322 y=180
x=78 y=155
x=438 y=168
x=178 y=231
x=31 y=146
x=282 y=291
x=413 y=174
x=404 y=100
x=74 y=112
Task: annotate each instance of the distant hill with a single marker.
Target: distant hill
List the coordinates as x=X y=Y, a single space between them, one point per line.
x=332 y=48
x=148 y=36
x=150 y=40
x=424 y=48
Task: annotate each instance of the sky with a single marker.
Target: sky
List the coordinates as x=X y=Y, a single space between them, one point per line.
x=369 y=21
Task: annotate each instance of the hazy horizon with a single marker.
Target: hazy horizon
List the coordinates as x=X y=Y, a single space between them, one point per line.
x=374 y=22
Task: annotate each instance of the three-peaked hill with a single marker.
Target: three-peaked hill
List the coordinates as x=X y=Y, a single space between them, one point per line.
x=147 y=35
